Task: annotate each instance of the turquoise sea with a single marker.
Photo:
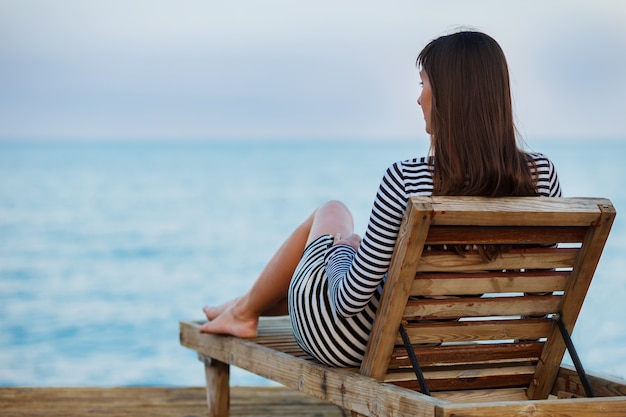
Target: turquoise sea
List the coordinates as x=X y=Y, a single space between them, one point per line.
x=105 y=246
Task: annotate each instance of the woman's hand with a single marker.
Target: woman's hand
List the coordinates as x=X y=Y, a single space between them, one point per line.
x=353 y=240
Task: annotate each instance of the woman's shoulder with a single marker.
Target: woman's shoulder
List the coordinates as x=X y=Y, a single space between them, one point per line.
x=545 y=174
x=539 y=157
x=540 y=163
x=413 y=164
x=415 y=175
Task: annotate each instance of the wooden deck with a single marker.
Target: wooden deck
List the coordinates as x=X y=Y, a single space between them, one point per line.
x=157 y=401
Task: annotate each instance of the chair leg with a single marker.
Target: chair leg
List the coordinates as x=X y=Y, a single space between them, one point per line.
x=217 y=386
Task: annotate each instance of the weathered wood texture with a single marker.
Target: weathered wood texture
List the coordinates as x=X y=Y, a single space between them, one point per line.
x=603 y=385
x=275 y=355
x=460 y=300
x=483 y=327
x=157 y=402
x=605 y=407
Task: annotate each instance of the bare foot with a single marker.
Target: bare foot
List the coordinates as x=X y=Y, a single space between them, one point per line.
x=229 y=322
x=212 y=312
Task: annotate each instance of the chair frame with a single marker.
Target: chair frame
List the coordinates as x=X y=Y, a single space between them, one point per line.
x=451 y=327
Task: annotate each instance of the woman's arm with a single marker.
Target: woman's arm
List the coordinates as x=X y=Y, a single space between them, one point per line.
x=355 y=271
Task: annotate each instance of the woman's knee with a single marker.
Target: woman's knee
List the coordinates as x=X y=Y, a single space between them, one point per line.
x=331 y=218
x=335 y=206
x=335 y=213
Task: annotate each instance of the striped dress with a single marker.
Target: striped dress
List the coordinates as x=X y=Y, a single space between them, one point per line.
x=335 y=290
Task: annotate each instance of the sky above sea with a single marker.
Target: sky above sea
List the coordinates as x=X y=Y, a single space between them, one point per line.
x=74 y=69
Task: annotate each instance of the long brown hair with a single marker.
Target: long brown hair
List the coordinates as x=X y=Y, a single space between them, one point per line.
x=473 y=137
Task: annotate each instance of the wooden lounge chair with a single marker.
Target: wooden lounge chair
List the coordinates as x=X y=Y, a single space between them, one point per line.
x=486 y=336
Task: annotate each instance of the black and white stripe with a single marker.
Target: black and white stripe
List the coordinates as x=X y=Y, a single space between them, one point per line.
x=333 y=340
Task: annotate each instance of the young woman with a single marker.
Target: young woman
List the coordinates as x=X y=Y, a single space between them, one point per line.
x=329 y=280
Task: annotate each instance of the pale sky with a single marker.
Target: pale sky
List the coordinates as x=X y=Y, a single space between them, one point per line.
x=196 y=69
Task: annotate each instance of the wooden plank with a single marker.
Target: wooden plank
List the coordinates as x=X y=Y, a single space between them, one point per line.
x=482 y=396
x=471 y=331
x=157 y=401
x=340 y=386
x=514 y=211
x=603 y=385
x=544 y=235
x=444 y=261
x=429 y=309
x=404 y=262
x=246 y=402
x=463 y=378
x=474 y=353
x=461 y=373
x=583 y=407
x=494 y=282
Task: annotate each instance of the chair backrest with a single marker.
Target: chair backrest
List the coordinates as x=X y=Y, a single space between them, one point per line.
x=476 y=323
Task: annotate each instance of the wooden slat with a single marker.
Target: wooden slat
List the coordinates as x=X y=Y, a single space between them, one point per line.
x=515 y=211
x=493 y=282
x=428 y=309
x=587 y=407
x=470 y=331
x=444 y=261
x=483 y=396
x=603 y=385
x=156 y=402
x=504 y=235
x=461 y=373
x=475 y=353
x=466 y=378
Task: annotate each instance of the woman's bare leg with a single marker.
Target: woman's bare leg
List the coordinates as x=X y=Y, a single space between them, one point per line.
x=212 y=312
x=240 y=317
x=277 y=309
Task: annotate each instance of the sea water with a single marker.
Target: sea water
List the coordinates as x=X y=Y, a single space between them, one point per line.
x=105 y=246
